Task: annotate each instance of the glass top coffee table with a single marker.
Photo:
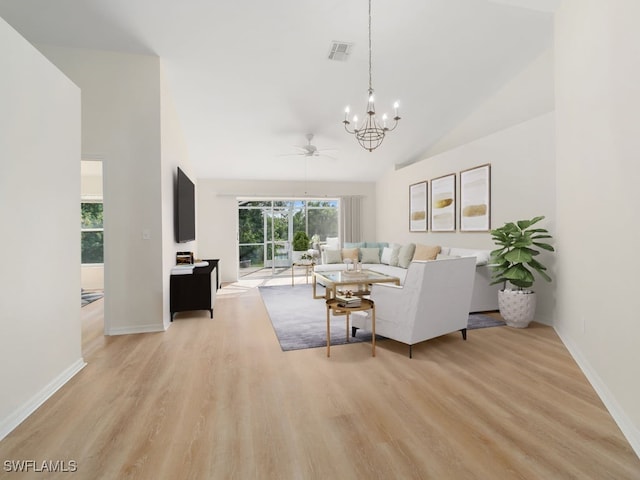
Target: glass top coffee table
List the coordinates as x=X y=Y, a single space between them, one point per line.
x=340 y=278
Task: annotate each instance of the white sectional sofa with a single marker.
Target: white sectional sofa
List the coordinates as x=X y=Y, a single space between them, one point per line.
x=484 y=297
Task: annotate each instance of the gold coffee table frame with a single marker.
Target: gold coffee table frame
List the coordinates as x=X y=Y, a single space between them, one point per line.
x=339 y=278
x=365 y=304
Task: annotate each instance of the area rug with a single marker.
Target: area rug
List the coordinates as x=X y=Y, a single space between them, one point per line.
x=86 y=297
x=300 y=322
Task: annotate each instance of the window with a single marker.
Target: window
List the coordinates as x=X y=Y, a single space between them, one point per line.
x=267 y=228
x=322 y=219
x=91 y=233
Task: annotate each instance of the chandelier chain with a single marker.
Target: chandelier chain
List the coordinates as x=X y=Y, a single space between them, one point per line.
x=370 y=133
x=370 y=82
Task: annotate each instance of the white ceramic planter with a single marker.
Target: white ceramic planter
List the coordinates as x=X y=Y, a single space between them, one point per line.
x=517 y=307
x=296 y=257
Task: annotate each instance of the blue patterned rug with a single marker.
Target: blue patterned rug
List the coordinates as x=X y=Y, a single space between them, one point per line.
x=300 y=322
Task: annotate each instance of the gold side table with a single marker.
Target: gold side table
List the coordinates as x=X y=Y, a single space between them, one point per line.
x=308 y=269
x=333 y=305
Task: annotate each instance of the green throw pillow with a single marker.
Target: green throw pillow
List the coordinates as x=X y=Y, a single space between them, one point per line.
x=395 y=251
x=406 y=255
x=333 y=256
x=379 y=245
x=370 y=255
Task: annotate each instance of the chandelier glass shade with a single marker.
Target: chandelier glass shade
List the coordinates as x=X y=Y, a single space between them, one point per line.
x=371 y=132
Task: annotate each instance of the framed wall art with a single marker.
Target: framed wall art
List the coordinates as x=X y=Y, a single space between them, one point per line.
x=443 y=203
x=418 y=207
x=475 y=199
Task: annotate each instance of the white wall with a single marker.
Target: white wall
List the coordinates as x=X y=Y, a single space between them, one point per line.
x=40 y=242
x=522 y=186
x=527 y=95
x=218 y=213
x=121 y=123
x=174 y=154
x=598 y=132
x=92 y=277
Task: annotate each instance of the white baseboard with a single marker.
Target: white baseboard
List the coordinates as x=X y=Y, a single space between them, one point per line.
x=629 y=430
x=150 y=328
x=16 y=418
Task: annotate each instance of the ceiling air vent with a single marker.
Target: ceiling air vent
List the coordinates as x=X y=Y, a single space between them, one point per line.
x=340 y=51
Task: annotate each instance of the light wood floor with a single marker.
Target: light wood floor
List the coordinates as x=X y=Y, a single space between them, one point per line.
x=218 y=399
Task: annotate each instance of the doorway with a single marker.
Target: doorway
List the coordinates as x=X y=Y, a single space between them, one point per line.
x=91 y=225
x=91 y=248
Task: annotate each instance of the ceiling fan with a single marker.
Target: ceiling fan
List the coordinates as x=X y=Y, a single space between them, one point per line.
x=310 y=150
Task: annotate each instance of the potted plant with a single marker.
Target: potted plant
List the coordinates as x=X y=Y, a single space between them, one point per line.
x=300 y=244
x=307 y=258
x=514 y=262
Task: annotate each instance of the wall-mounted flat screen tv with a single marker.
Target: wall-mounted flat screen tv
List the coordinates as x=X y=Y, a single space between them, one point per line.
x=185 y=211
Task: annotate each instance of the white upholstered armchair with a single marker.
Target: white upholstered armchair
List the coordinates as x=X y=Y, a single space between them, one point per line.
x=433 y=301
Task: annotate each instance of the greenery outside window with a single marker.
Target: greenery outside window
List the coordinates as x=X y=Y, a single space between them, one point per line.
x=267 y=228
x=92 y=233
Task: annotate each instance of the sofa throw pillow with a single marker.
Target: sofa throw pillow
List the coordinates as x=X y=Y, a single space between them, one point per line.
x=395 y=252
x=356 y=245
x=379 y=245
x=386 y=255
x=426 y=252
x=351 y=253
x=370 y=255
x=333 y=243
x=332 y=256
x=405 y=255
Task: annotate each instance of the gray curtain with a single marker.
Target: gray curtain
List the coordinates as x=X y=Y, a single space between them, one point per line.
x=351 y=218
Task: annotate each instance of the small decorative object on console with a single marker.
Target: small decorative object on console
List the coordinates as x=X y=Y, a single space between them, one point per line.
x=184 y=258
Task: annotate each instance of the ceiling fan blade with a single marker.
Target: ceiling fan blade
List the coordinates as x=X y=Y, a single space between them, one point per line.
x=309 y=150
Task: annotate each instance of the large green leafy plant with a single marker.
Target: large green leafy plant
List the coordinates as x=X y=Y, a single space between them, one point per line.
x=518 y=244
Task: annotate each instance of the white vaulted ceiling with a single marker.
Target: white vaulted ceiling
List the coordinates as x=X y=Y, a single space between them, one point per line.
x=251 y=78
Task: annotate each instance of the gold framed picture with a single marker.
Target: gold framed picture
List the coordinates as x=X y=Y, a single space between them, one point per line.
x=475 y=199
x=443 y=203
x=418 y=207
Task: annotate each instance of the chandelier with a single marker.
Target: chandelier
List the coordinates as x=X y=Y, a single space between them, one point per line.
x=370 y=133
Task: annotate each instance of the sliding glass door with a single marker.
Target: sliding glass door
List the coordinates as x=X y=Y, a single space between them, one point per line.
x=277 y=240
x=266 y=229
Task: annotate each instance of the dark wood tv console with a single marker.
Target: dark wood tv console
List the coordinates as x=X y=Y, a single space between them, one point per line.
x=194 y=291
